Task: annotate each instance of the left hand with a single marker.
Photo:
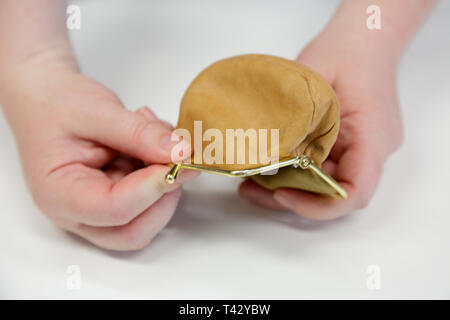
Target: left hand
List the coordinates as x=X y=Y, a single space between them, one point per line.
x=371 y=129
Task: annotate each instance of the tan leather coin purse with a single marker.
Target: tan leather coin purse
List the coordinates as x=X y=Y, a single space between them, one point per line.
x=247 y=93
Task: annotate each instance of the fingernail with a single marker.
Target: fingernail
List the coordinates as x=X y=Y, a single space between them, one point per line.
x=283 y=201
x=167 y=124
x=146 y=113
x=168 y=141
x=175 y=145
x=187 y=175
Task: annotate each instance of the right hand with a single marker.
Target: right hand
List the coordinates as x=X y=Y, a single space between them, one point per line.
x=83 y=153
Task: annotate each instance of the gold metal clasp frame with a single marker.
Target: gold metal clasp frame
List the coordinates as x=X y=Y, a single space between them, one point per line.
x=303 y=162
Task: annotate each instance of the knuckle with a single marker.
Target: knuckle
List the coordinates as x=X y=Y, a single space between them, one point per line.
x=137 y=245
x=103 y=96
x=43 y=200
x=133 y=239
x=363 y=201
x=396 y=137
x=399 y=140
x=39 y=202
x=120 y=217
x=377 y=169
x=139 y=128
x=38 y=190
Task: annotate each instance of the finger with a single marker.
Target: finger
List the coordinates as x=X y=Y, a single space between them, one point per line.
x=264 y=197
x=88 y=196
x=329 y=166
x=351 y=126
x=121 y=166
x=136 y=234
x=259 y=195
x=147 y=113
x=358 y=171
x=90 y=153
x=132 y=134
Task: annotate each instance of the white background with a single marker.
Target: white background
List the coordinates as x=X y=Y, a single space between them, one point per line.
x=218 y=245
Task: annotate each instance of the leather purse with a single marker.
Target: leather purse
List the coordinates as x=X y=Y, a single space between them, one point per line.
x=255 y=94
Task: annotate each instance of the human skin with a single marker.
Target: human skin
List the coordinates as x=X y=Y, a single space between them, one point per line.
x=78 y=145
x=361 y=65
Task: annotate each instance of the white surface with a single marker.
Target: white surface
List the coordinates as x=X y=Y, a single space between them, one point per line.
x=218 y=245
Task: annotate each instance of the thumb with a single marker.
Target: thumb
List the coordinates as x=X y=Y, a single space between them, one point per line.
x=130 y=133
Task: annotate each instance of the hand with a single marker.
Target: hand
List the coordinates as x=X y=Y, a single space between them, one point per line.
x=83 y=152
x=371 y=128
